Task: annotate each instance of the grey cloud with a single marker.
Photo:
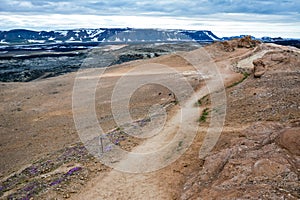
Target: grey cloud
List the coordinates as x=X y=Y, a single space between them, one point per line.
x=166 y=7
x=175 y=8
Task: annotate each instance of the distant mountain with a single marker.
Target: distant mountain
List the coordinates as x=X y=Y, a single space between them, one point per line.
x=21 y=36
x=237 y=37
x=82 y=37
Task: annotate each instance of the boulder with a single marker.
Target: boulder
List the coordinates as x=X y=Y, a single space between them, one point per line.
x=259 y=68
x=289 y=140
x=279 y=57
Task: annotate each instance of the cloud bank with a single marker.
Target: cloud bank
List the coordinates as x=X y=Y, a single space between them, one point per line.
x=225 y=17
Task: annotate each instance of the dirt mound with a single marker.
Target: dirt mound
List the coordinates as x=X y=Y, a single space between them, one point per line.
x=254 y=166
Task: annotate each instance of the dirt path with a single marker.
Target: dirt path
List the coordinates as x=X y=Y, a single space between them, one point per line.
x=122 y=185
x=175 y=133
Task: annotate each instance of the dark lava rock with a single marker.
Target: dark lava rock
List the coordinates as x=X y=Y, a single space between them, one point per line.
x=26 y=64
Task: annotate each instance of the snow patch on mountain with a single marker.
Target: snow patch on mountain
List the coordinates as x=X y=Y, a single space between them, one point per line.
x=63 y=33
x=213 y=37
x=36 y=41
x=96 y=33
x=106 y=35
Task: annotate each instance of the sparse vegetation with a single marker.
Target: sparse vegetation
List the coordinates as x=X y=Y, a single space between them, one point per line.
x=204 y=115
x=203 y=100
x=199 y=102
x=179 y=145
x=246 y=75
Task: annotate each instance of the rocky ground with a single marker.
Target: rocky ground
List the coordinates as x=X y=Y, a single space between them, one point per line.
x=256 y=157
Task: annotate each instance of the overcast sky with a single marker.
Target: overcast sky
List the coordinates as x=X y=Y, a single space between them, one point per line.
x=223 y=17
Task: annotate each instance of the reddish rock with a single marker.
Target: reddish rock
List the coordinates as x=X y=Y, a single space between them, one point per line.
x=228 y=47
x=259 y=68
x=290 y=140
x=253 y=167
x=247 y=42
x=279 y=57
x=268 y=168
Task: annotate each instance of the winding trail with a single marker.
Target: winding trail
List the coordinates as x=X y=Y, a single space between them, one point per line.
x=175 y=133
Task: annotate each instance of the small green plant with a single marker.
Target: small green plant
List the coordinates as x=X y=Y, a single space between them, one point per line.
x=179 y=145
x=200 y=102
x=204 y=115
x=240 y=81
x=176 y=102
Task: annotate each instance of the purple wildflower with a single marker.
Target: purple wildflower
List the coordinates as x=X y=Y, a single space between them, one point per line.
x=117 y=142
x=108 y=148
x=58 y=181
x=75 y=169
x=29 y=187
x=1 y=188
x=26 y=198
x=33 y=170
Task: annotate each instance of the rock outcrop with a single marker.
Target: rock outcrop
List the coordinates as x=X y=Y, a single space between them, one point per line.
x=259 y=68
x=289 y=140
x=228 y=46
x=262 y=163
x=247 y=42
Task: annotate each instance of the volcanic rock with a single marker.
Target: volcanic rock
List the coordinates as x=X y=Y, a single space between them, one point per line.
x=290 y=140
x=247 y=42
x=255 y=166
x=259 y=68
x=228 y=47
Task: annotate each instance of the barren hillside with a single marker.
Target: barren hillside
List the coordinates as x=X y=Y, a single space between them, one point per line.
x=256 y=155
